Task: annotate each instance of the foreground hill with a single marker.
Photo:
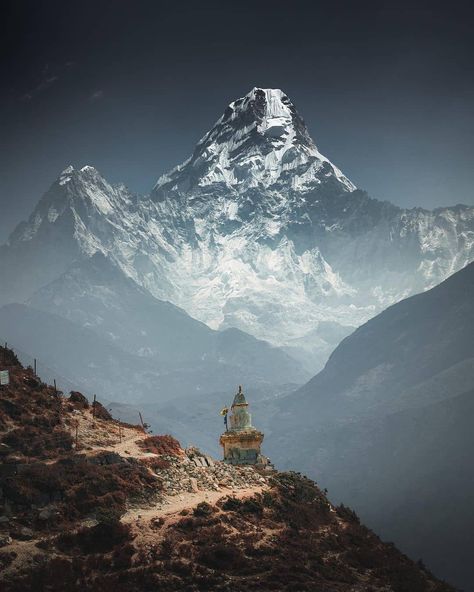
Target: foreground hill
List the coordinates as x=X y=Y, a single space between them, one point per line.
x=389 y=423
x=89 y=503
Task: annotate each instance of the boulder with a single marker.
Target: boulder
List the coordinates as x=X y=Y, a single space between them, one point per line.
x=193 y=485
x=5 y=540
x=24 y=534
x=47 y=513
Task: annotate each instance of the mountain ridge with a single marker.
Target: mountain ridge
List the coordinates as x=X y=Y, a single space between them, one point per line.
x=255 y=228
x=388 y=422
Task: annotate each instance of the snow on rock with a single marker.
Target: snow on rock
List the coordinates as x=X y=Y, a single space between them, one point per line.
x=258 y=230
x=260 y=141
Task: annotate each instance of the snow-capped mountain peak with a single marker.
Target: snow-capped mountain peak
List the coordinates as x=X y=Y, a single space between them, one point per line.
x=257 y=230
x=77 y=197
x=259 y=142
x=267 y=111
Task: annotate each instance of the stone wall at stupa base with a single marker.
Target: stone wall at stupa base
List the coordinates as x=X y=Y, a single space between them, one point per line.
x=242 y=447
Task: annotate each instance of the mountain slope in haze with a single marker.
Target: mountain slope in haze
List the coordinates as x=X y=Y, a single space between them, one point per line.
x=72 y=217
x=78 y=354
x=389 y=421
x=94 y=293
x=424 y=339
x=256 y=231
x=138 y=342
x=89 y=503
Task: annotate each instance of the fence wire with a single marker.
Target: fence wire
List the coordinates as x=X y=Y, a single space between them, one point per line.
x=47 y=374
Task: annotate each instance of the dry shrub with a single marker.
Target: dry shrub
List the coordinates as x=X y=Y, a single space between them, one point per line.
x=79 y=487
x=35 y=442
x=231 y=504
x=161 y=445
x=79 y=400
x=155 y=463
x=6 y=558
x=101 y=538
x=203 y=509
x=221 y=556
x=100 y=412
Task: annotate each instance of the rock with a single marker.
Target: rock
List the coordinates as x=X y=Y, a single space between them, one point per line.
x=4 y=520
x=44 y=515
x=24 y=534
x=194 y=485
x=47 y=513
x=5 y=540
x=108 y=458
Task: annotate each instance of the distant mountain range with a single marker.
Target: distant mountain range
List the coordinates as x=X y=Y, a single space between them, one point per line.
x=257 y=230
x=387 y=425
x=104 y=332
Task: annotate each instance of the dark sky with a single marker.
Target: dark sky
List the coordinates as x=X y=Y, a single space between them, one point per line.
x=386 y=89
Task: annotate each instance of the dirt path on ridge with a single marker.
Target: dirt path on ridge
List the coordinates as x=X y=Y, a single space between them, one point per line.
x=174 y=504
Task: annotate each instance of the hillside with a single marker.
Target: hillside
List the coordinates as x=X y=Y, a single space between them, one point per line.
x=96 y=327
x=90 y=503
x=389 y=423
x=423 y=340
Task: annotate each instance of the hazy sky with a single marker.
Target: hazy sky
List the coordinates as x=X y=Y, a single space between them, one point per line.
x=386 y=89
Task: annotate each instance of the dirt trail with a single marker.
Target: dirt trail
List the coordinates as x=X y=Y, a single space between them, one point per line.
x=176 y=503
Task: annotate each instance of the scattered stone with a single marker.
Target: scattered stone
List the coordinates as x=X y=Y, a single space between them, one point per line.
x=24 y=534
x=157 y=522
x=47 y=513
x=5 y=540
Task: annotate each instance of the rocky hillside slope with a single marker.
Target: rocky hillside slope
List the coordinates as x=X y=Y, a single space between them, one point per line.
x=389 y=424
x=90 y=503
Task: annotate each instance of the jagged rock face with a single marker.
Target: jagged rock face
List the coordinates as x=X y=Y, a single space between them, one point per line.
x=259 y=142
x=257 y=230
x=278 y=242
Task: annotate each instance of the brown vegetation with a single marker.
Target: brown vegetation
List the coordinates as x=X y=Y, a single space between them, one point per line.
x=286 y=537
x=78 y=487
x=166 y=445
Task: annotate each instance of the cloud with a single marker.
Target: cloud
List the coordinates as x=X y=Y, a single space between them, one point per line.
x=97 y=95
x=44 y=84
x=47 y=77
